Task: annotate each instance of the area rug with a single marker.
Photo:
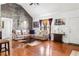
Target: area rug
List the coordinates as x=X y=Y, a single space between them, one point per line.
x=34 y=43
x=74 y=53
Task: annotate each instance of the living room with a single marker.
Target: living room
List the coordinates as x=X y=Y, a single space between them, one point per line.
x=40 y=29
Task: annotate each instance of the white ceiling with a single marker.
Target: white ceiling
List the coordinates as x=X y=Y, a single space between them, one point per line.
x=49 y=8
x=46 y=8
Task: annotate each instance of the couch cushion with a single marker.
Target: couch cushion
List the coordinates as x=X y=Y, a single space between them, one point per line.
x=18 y=32
x=24 y=32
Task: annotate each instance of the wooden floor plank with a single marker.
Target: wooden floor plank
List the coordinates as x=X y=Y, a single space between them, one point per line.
x=46 y=48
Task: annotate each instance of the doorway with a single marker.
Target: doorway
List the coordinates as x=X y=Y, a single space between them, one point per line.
x=74 y=30
x=6 y=28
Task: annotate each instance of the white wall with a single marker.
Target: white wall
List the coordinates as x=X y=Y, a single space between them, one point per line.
x=70 y=15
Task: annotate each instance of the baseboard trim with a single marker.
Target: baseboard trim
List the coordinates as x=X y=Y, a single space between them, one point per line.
x=73 y=44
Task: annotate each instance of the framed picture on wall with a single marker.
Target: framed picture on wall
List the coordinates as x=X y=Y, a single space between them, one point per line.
x=59 y=22
x=35 y=24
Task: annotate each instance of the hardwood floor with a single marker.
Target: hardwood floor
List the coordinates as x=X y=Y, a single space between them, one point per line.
x=46 y=48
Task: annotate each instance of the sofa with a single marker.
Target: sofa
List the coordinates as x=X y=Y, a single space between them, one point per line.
x=19 y=34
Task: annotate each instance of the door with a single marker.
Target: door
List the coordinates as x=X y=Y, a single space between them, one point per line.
x=74 y=30
x=6 y=28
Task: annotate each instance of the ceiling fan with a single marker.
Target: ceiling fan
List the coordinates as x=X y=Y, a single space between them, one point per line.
x=33 y=4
